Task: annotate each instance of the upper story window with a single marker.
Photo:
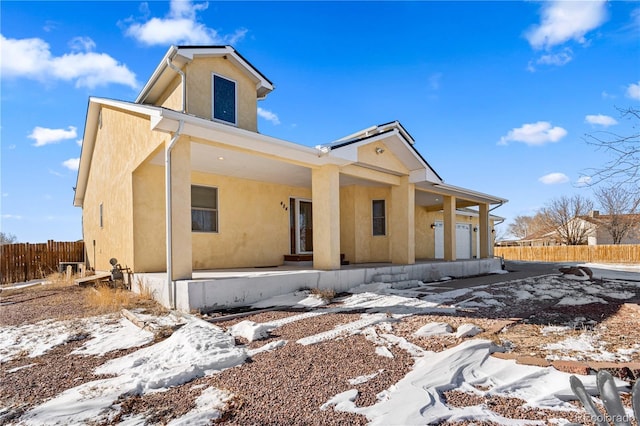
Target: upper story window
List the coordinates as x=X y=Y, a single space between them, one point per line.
x=224 y=99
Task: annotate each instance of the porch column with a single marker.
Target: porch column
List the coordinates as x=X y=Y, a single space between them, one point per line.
x=181 y=252
x=325 y=194
x=485 y=233
x=449 y=224
x=402 y=223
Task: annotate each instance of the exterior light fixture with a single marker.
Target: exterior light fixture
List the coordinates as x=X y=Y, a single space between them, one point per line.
x=379 y=150
x=433 y=226
x=475 y=229
x=220 y=158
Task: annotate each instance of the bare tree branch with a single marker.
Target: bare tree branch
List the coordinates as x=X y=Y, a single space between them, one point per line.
x=624 y=167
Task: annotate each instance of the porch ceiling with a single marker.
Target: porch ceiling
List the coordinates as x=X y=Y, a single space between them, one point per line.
x=226 y=161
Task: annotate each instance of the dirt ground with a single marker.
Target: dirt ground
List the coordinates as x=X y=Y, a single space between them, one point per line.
x=267 y=389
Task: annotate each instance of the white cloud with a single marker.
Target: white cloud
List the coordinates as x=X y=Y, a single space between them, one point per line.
x=554 y=178
x=180 y=26
x=44 y=136
x=538 y=133
x=269 y=116
x=562 y=21
x=633 y=91
x=602 y=120
x=32 y=58
x=607 y=95
x=583 y=181
x=12 y=216
x=557 y=59
x=435 y=80
x=79 y=142
x=72 y=163
x=82 y=44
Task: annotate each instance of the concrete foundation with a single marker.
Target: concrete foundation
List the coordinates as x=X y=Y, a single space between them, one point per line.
x=211 y=290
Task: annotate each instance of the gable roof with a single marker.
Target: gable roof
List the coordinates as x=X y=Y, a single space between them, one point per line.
x=402 y=146
x=182 y=55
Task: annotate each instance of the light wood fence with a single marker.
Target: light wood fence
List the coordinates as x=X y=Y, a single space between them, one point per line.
x=24 y=261
x=623 y=253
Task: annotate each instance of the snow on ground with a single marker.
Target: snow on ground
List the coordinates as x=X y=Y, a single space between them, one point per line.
x=199 y=348
x=416 y=399
x=195 y=350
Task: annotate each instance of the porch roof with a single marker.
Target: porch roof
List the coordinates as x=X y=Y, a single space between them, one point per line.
x=224 y=149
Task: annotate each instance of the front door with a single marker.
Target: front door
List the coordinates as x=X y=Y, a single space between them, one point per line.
x=301 y=226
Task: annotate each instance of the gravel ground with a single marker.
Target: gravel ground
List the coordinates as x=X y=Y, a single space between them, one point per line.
x=288 y=385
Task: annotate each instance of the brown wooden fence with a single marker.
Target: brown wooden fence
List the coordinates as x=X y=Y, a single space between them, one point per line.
x=623 y=253
x=24 y=261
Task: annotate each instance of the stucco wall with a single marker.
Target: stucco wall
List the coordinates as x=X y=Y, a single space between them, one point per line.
x=357 y=229
x=199 y=94
x=149 y=229
x=253 y=227
x=171 y=98
x=367 y=154
x=123 y=141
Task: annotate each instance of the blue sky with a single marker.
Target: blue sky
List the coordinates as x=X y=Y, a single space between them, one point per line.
x=498 y=95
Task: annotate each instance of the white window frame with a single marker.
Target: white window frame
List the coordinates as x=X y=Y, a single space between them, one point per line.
x=217 y=210
x=213 y=99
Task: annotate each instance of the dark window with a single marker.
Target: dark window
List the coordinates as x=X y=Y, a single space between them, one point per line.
x=224 y=99
x=379 y=218
x=204 y=209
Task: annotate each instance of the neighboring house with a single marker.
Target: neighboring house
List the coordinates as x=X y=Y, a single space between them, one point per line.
x=600 y=228
x=593 y=229
x=182 y=173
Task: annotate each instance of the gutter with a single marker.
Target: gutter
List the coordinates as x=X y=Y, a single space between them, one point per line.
x=169 y=214
x=184 y=86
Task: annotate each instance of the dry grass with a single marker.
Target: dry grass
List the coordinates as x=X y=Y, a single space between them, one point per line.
x=325 y=294
x=104 y=299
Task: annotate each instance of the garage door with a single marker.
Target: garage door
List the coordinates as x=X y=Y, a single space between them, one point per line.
x=463 y=240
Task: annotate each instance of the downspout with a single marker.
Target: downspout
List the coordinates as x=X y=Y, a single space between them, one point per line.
x=184 y=86
x=167 y=168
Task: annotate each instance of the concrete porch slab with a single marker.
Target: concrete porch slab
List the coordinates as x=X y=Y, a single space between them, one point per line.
x=228 y=288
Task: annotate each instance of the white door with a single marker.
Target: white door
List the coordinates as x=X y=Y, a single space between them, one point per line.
x=463 y=240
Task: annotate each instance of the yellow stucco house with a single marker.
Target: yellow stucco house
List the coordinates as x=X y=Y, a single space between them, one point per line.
x=181 y=180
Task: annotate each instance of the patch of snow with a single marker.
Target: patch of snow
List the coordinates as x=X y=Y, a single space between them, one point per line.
x=580 y=300
x=558 y=329
x=348 y=328
x=209 y=406
x=195 y=350
x=22 y=367
x=123 y=336
x=268 y=347
x=384 y=351
x=251 y=330
x=468 y=330
x=434 y=329
x=37 y=339
x=364 y=379
x=416 y=399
